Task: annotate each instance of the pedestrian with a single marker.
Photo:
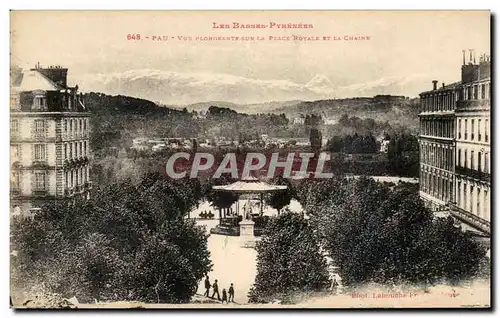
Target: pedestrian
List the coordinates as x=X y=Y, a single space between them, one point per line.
x=207 y=287
x=215 y=288
x=231 y=293
x=334 y=286
x=224 y=296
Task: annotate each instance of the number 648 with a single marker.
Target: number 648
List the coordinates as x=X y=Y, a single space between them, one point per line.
x=133 y=36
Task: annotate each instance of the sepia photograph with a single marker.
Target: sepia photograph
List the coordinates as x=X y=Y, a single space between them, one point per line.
x=250 y=159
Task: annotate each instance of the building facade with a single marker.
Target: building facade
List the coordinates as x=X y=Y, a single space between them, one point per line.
x=455 y=146
x=437 y=165
x=473 y=154
x=49 y=141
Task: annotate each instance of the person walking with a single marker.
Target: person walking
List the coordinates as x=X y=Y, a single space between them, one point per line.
x=215 y=289
x=224 y=296
x=207 y=287
x=231 y=293
x=334 y=286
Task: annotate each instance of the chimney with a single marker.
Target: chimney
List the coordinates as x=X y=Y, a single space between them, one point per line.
x=443 y=85
x=463 y=57
x=434 y=84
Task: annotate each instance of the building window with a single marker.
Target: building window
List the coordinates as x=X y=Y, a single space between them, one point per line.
x=478 y=202
x=483 y=91
x=65 y=151
x=459 y=128
x=485 y=204
x=479 y=129
x=459 y=159
x=71 y=126
x=471 y=198
x=39 y=128
x=16 y=152
x=486 y=129
x=84 y=148
x=472 y=129
x=465 y=158
x=16 y=181
x=464 y=197
x=40 y=181
x=81 y=149
x=479 y=161
x=472 y=159
x=486 y=163
x=466 y=128
x=14 y=126
x=475 y=91
x=459 y=189
x=71 y=150
x=39 y=102
x=39 y=152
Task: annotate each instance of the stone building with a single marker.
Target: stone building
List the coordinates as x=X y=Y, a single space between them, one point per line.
x=49 y=139
x=473 y=153
x=437 y=121
x=455 y=145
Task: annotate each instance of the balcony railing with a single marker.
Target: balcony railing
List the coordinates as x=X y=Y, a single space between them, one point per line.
x=480 y=175
x=471 y=219
x=473 y=103
x=40 y=192
x=40 y=163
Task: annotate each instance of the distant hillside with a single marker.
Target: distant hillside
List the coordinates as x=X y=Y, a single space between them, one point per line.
x=104 y=104
x=116 y=120
x=396 y=109
x=241 y=108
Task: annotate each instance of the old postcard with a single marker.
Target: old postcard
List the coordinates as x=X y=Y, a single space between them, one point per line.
x=250 y=159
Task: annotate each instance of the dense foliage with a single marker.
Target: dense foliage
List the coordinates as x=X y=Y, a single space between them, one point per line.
x=128 y=242
x=280 y=199
x=377 y=233
x=289 y=262
x=403 y=155
x=353 y=144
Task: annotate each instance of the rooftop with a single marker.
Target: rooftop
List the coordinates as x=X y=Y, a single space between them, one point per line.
x=444 y=88
x=32 y=80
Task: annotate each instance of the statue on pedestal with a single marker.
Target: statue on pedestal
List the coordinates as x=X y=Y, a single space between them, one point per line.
x=248 y=210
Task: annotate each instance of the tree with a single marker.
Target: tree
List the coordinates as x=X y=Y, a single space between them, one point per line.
x=315 y=139
x=289 y=261
x=386 y=235
x=220 y=199
x=128 y=242
x=280 y=199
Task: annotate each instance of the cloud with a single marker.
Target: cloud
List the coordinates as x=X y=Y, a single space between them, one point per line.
x=403 y=85
x=176 y=88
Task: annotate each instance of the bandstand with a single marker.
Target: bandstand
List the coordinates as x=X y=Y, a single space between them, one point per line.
x=247 y=221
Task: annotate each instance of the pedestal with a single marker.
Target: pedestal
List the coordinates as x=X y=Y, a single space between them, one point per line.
x=247 y=238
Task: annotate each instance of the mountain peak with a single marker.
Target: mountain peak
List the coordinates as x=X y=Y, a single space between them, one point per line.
x=320 y=84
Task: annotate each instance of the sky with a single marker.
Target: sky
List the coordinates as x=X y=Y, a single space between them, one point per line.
x=402 y=44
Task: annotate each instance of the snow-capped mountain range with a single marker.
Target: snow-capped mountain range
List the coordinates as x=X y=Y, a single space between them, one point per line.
x=187 y=88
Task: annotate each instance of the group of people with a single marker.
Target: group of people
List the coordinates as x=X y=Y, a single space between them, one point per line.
x=215 y=290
